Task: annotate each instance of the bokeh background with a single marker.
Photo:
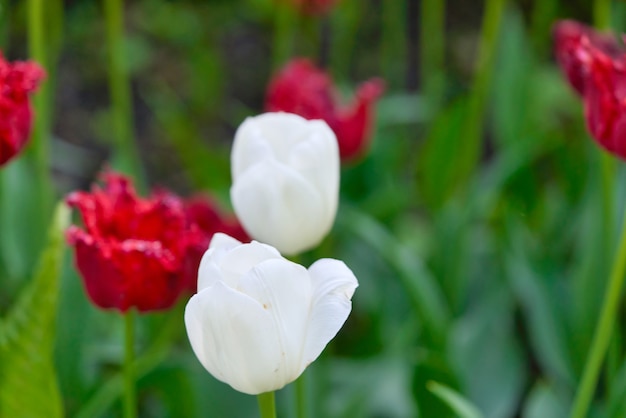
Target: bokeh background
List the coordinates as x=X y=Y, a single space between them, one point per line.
x=477 y=223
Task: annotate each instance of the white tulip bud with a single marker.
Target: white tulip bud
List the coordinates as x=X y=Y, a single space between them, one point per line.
x=258 y=319
x=285 y=173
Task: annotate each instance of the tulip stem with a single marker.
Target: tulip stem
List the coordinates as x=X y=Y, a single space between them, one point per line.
x=130 y=402
x=473 y=125
x=603 y=332
x=267 y=406
x=284 y=28
x=602 y=14
x=301 y=404
x=126 y=155
x=37 y=15
x=433 y=50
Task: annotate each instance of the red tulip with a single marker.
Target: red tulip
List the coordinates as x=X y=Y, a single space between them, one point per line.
x=203 y=212
x=17 y=80
x=595 y=66
x=308 y=91
x=132 y=252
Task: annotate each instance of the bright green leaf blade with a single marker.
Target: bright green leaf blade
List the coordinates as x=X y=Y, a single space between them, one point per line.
x=28 y=387
x=461 y=406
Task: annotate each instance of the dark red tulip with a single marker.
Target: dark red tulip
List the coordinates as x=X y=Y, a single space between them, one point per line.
x=302 y=88
x=132 y=252
x=595 y=65
x=203 y=212
x=17 y=80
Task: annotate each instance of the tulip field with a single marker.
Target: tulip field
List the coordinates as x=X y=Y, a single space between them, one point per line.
x=312 y=208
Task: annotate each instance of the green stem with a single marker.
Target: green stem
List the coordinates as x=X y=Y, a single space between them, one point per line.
x=432 y=57
x=347 y=17
x=301 y=403
x=602 y=14
x=602 y=20
x=604 y=328
x=393 y=41
x=284 y=31
x=39 y=143
x=112 y=389
x=267 y=406
x=126 y=157
x=37 y=51
x=471 y=142
x=130 y=397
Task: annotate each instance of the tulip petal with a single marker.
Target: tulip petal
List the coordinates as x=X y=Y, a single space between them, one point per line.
x=317 y=159
x=208 y=271
x=223 y=241
x=243 y=258
x=284 y=290
x=235 y=339
x=333 y=287
x=269 y=135
x=270 y=194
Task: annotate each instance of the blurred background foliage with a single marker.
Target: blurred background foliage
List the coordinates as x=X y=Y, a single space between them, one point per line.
x=476 y=224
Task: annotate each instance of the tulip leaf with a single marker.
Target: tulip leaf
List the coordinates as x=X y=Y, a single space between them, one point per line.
x=28 y=387
x=461 y=406
x=422 y=289
x=544 y=402
x=544 y=319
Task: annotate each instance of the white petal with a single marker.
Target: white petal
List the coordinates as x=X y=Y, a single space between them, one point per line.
x=209 y=271
x=317 y=160
x=284 y=290
x=279 y=207
x=229 y=259
x=243 y=258
x=268 y=134
x=249 y=147
x=333 y=287
x=223 y=241
x=235 y=339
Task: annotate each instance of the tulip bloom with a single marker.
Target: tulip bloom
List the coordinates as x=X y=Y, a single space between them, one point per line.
x=133 y=252
x=285 y=173
x=17 y=81
x=308 y=91
x=258 y=319
x=204 y=213
x=595 y=65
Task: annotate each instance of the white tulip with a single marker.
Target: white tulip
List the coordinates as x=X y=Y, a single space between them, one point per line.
x=258 y=319
x=285 y=173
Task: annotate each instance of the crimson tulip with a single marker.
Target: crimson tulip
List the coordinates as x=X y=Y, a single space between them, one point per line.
x=17 y=80
x=133 y=252
x=595 y=65
x=203 y=212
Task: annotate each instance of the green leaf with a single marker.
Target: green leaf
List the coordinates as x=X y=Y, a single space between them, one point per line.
x=487 y=356
x=349 y=391
x=422 y=289
x=461 y=406
x=544 y=402
x=28 y=387
x=540 y=306
x=21 y=219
